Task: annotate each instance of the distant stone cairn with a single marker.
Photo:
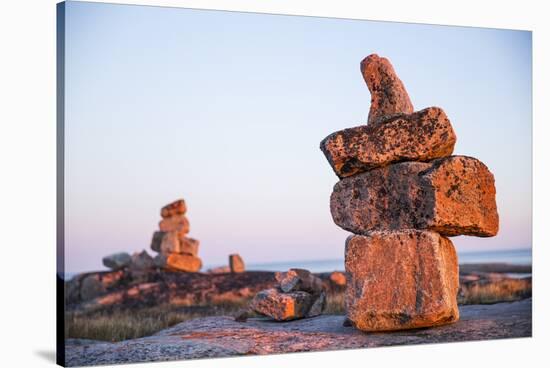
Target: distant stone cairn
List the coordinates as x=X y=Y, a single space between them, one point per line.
x=177 y=251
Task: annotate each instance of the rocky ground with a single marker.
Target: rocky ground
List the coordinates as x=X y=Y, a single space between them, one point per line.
x=212 y=337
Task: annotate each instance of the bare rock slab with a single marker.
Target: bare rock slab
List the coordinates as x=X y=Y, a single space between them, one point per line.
x=401 y=280
x=453 y=196
x=213 y=337
x=388 y=94
x=287 y=306
x=420 y=136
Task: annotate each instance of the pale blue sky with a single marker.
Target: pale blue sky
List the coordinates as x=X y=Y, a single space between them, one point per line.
x=227 y=110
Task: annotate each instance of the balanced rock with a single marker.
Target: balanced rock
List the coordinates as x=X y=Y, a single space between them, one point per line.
x=453 y=196
x=175 y=208
x=188 y=245
x=170 y=243
x=420 y=136
x=287 y=306
x=117 y=261
x=177 y=223
x=167 y=242
x=388 y=94
x=157 y=240
x=297 y=279
x=183 y=262
x=401 y=280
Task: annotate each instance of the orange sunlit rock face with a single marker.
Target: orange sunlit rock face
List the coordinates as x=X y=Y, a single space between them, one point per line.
x=283 y=306
x=401 y=280
x=175 y=208
x=177 y=223
x=236 y=263
x=453 y=196
x=183 y=262
x=420 y=136
x=388 y=94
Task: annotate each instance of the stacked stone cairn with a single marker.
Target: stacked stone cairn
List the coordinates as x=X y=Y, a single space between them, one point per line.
x=402 y=194
x=299 y=294
x=177 y=251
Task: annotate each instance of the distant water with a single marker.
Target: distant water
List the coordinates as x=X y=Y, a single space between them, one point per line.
x=517 y=256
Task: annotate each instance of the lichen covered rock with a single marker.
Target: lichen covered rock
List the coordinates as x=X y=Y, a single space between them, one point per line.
x=401 y=280
x=284 y=306
x=420 y=136
x=388 y=94
x=453 y=196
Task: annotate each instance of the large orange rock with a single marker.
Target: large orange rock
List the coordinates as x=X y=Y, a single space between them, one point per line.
x=420 y=136
x=401 y=280
x=177 y=223
x=183 y=262
x=175 y=208
x=287 y=306
x=388 y=94
x=453 y=196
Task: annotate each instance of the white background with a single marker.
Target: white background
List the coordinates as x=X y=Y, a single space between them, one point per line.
x=27 y=180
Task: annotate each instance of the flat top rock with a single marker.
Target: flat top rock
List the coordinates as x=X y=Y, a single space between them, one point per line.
x=213 y=337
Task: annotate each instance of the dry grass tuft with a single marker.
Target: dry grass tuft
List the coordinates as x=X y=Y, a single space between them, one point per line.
x=117 y=325
x=506 y=290
x=335 y=303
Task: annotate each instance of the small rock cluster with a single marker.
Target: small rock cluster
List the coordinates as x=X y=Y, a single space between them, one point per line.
x=137 y=263
x=299 y=294
x=176 y=250
x=236 y=265
x=402 y=193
